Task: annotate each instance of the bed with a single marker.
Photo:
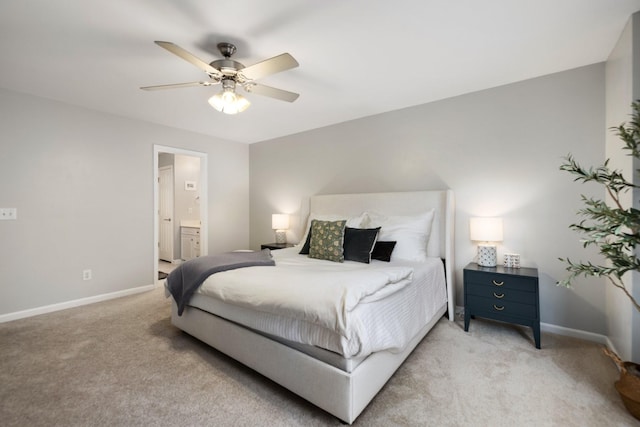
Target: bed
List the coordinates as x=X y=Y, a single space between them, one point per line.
x=330 y=365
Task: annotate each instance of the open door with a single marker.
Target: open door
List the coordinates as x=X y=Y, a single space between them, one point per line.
x=165 y=213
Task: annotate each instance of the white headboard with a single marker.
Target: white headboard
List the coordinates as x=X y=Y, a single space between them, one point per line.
x=403 y=203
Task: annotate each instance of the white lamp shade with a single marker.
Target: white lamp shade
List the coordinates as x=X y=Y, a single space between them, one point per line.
x=485 y=229
x=279 y=221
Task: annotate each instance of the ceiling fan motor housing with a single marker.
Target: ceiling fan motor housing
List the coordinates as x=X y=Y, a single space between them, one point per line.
x=228 y=67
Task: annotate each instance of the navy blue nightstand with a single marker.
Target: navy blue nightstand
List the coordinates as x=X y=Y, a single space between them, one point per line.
x=506 y=294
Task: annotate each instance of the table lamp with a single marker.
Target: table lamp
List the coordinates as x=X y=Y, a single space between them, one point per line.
x=486 y=230
x=280 y=223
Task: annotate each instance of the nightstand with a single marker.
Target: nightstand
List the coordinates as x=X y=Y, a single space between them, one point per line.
x=506 y=294
x=274 y=246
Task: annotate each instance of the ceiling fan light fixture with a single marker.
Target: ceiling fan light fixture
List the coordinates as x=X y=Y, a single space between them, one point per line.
x=228 y=101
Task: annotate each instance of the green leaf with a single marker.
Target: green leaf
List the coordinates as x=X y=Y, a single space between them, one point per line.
x=613 y=229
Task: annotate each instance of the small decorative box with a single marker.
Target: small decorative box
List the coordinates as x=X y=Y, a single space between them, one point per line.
x=512 y=260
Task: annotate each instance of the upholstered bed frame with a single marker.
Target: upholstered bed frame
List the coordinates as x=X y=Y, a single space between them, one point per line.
x=343 y=394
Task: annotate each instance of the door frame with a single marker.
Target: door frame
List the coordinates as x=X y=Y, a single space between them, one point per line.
x=204 y=204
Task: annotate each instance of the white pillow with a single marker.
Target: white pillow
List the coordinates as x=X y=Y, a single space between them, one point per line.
x=353 y=222
x=410 y=232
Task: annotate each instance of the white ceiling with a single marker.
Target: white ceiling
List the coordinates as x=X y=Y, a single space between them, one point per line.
x=357 y=57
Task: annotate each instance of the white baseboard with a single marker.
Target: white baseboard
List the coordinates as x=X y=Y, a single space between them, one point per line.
x=561 y=330
x=74 y=303
x=575 y=333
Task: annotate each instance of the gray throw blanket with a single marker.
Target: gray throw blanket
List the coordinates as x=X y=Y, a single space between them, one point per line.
x=187 y=278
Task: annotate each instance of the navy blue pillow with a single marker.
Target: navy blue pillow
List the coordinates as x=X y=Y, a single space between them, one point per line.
x=382 y=251
x=358 y=243
x=307 y=243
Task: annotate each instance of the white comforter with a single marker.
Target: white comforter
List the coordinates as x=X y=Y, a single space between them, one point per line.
x=315 y=291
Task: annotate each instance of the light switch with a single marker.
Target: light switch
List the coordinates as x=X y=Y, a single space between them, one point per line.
x=8 y=213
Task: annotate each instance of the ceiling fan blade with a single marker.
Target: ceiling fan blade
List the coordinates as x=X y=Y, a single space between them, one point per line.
x=269 y=66
x=177 y=50
x=271 y=92
x=177 y=85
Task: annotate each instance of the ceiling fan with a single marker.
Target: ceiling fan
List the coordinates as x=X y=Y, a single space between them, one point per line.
x=230 y=74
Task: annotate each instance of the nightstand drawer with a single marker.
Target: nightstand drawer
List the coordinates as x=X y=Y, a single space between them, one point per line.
x=491 y=308
x=502 y=281
x=502 y=294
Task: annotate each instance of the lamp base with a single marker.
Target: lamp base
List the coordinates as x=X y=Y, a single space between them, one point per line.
x=281 y=236
x=487 y=255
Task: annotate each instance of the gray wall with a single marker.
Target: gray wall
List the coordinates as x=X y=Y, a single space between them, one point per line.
x=499 y=151
x=83 y=185
x=623 y=87
x=165 y=159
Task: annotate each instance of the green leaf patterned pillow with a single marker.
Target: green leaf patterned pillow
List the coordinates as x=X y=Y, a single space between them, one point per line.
x=327 y=239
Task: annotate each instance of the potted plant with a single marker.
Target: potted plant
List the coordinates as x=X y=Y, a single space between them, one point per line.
x=615 y=231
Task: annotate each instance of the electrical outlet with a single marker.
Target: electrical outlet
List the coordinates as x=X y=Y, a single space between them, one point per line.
x=86 y=274
x=8 y=213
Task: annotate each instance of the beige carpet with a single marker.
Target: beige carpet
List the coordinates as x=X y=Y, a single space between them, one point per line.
x=122 y=363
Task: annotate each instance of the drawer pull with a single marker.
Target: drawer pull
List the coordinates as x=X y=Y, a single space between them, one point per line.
x=498 y=296
x=498 y=308
x=497 y=283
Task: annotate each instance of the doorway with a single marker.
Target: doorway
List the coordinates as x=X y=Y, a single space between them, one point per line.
x=166 y=184
x=182 y=203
